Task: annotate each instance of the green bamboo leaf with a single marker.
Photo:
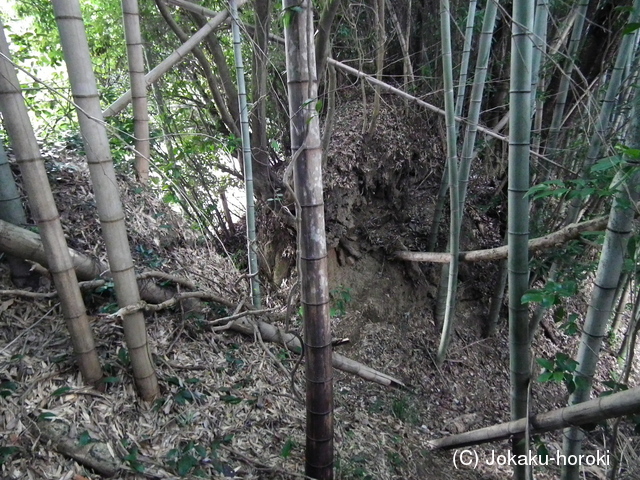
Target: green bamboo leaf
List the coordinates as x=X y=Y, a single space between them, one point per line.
x=545 y=377
x=61 y=391
x=630 y=28
x=581 y=382
x=111 y=380
x=233 y=400
x=545 y=363
x=185 y=464
x=7 y=388
x=47 y=416
x=6 y=453
x=532 y=297
x=287 y=448
x=606 y=164
x=85 y=439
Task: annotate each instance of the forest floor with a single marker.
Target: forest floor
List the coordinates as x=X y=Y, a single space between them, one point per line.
x=227 y=408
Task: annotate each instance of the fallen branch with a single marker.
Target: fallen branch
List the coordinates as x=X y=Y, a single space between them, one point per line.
x=174 y=300
x=27 y=294
x=593 y=411
x=273 y=334
x=560 y=237
x=168 y=278
x=95 y=455
x=267 y=331
x=25 y=244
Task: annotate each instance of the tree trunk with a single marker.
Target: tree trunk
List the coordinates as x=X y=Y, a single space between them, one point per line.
x=312 y=248
x=518 y=218
x=259 y=87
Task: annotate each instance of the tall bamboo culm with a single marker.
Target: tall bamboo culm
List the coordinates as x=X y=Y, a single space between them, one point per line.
x=312 y=248
x=518 y=217
x=252 y=251
x=452 y=165
x=85 y=94
x=627 y=186
x=135 y=57
x=45 y=213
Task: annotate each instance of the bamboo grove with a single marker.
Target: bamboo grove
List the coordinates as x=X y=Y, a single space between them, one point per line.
x=543 y=94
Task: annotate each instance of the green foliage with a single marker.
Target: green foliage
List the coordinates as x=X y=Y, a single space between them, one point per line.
x=340 y=298
x=569 y=324
x=124 y=357
x=613 y=387
x=109 y=380
x=47 y=417
x=6 y=453
x=395 y=459
x=551 y=294
x=186 y=459
x=353 y=468
x=121 y=141
x=131 y=458
x=561 y=369
x=541 y=449
x=183 y=391
x=109 y=308
x=108 y=287
x=289 y=13
x=151 y=257
x=85 y=439
x=119 y=366
x=403 y=409
x=61 y=391
x=287 y=448
x=234 y=363
x=597 y=183
x=190 y=459
x=7 y=388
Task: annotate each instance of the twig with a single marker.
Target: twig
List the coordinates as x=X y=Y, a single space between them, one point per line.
x=28 y=294
x=296 y=396
x=230 y=318
x=168 y=277
x=29 y=328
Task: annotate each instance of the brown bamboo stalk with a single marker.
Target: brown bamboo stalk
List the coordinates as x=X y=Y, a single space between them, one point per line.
x=45 y=213
x=85 y=93
x=312 y=248
x=135 y=57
